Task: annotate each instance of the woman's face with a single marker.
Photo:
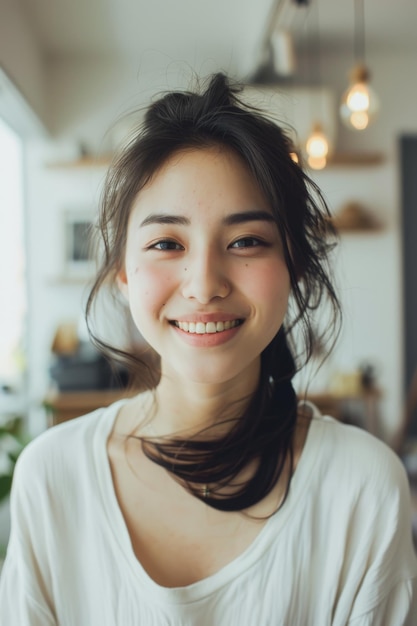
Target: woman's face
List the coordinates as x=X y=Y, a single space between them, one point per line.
x=204 y=272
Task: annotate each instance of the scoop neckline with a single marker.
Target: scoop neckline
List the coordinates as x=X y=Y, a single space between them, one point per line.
x=240 y=564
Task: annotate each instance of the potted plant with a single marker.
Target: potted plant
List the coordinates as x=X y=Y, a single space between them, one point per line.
x=12 y=442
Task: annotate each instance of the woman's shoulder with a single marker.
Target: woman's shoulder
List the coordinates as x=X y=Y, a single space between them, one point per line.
x=358 y=457
x=352 y=438
x=49 y=450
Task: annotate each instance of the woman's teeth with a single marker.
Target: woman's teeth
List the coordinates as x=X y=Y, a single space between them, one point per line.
x=200 y=328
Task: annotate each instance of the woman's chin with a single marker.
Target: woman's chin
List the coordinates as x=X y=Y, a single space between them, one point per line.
x=213 y=374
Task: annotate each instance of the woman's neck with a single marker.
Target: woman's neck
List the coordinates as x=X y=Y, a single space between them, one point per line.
x=192 y=407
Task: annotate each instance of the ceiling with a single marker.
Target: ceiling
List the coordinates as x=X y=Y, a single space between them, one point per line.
x=222 y=29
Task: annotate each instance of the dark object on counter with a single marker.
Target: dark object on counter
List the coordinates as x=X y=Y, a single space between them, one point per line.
x=368 y=376
x=86 y=369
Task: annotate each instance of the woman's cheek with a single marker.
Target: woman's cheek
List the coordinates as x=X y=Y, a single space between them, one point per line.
x=272 y=281
x=149 y=286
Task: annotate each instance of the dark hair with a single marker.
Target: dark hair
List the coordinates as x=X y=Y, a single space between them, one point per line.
x=264 y=432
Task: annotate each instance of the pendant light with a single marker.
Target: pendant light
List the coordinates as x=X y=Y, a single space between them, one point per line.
x=360 y=104
x=277 y=57
x=283 y=54
x=317 y=148
x=317 y=145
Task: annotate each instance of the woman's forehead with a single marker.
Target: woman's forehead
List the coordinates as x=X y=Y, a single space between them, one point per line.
x=201 y=178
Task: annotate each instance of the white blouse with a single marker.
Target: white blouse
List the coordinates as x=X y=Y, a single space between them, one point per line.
x=338 y=552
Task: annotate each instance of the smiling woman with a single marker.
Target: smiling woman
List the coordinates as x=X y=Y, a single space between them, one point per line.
x=236 y=273
x=213 y=498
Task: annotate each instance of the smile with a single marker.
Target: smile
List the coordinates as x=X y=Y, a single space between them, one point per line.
x=200 y=328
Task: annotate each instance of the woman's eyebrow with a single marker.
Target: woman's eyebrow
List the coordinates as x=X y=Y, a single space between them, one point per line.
x=229 y=220
x=165 y=218
x=248 y=216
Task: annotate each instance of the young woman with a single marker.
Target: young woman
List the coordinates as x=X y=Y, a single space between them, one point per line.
x=214 y=498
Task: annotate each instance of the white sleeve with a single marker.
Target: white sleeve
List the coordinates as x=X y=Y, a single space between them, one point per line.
x=388 y=592
x=17 y=606
x=24 y=597
x=399 y=608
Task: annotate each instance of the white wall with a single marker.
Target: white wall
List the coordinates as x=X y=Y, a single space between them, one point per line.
x=370 y=266
x=52 y=300
x=368 y=276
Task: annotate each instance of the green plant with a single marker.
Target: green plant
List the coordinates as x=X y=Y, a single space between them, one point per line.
x=12 y=442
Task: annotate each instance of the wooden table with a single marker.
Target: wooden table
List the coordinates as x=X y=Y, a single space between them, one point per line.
x=365 y=405
x=63 y=406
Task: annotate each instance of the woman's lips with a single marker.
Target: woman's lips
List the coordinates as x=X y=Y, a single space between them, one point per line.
x=203 y=335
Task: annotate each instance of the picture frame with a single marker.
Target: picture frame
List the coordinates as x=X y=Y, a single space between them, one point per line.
x=78 y=255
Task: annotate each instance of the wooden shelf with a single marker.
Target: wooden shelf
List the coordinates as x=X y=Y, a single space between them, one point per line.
x=53 y=281
x=356 y=218
x=366 y=230
x=355 y=159
x=103 y=160
x=338 y=159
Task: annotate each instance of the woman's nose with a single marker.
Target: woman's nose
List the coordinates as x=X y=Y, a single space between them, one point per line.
x=205 y=278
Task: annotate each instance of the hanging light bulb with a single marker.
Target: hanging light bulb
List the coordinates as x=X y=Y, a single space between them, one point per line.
x=360 y=103
x=283 y=54
x=317 y=147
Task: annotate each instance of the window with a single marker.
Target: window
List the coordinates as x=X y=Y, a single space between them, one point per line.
x=12 y=260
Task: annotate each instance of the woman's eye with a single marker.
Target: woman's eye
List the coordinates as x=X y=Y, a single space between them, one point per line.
x=166 y=244
x=247 y=242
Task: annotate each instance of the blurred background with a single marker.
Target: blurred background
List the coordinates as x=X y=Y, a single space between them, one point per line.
x=74 y=78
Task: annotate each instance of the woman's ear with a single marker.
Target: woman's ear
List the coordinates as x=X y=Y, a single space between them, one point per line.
x=121 y=282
